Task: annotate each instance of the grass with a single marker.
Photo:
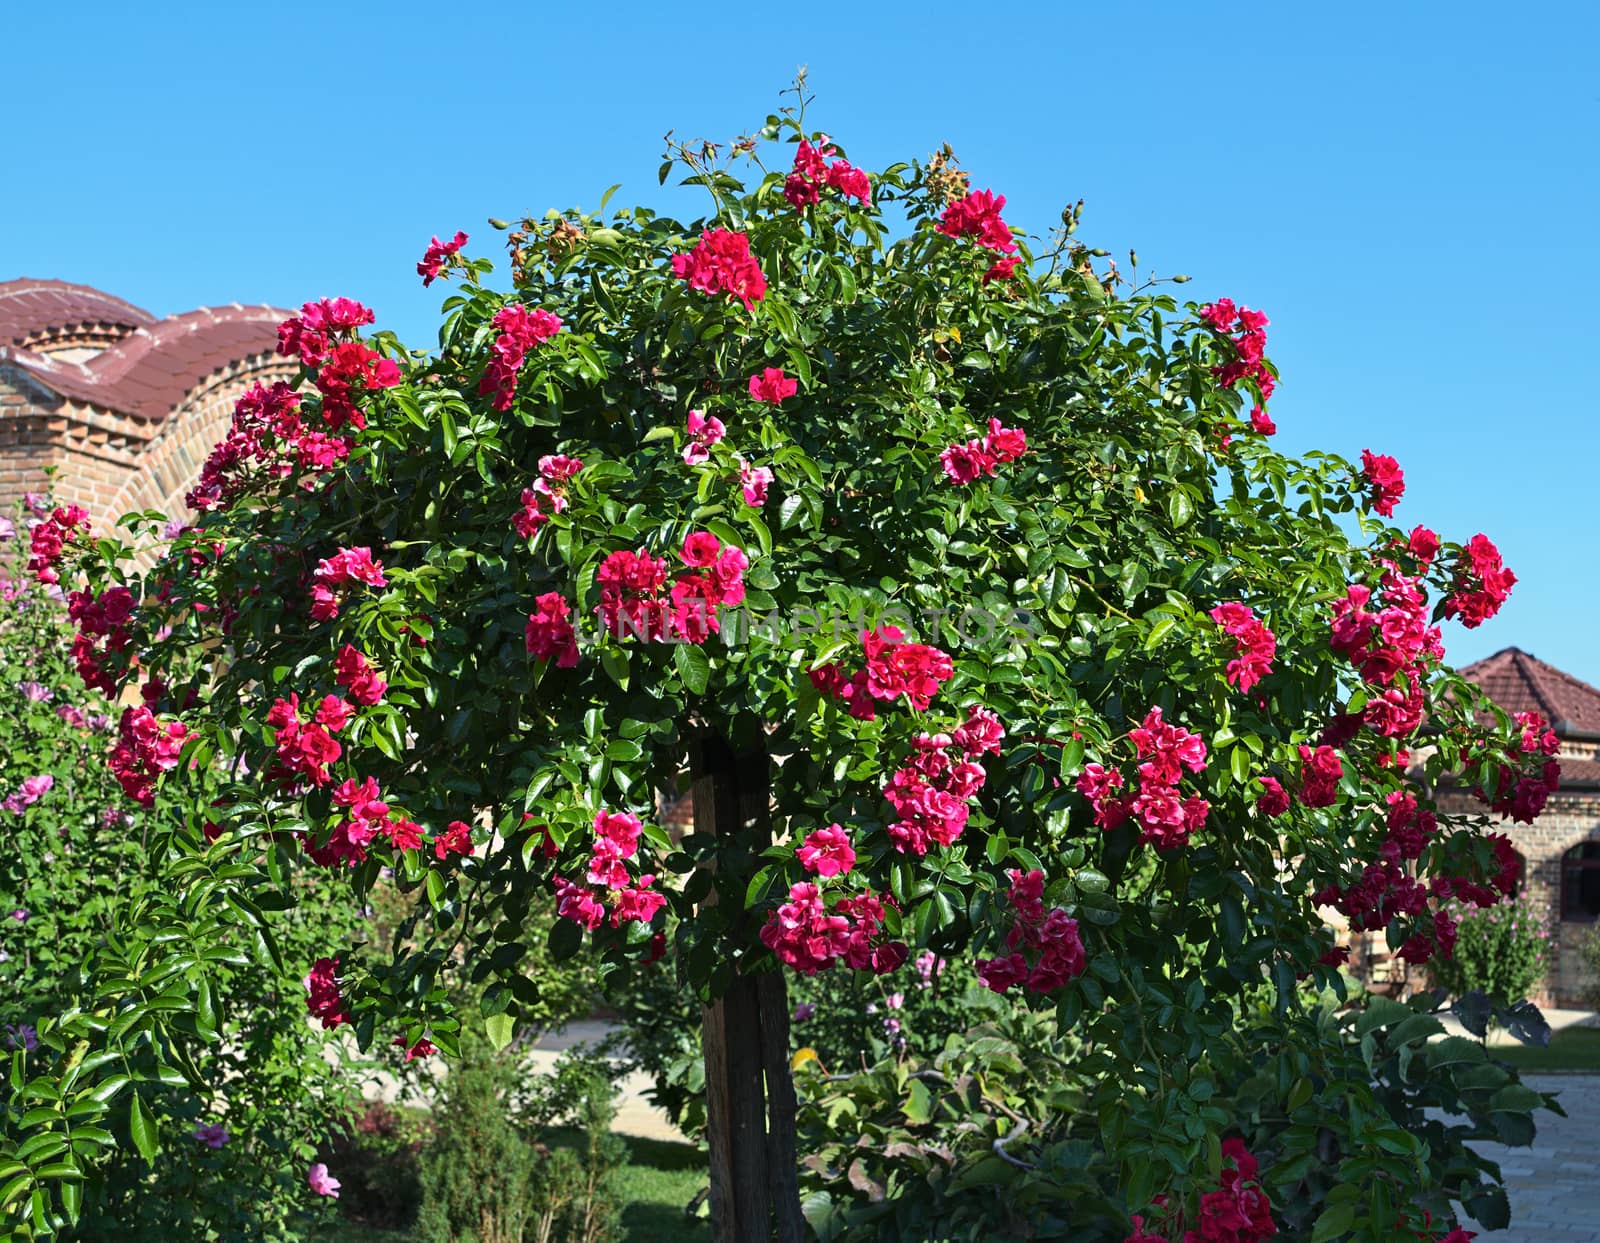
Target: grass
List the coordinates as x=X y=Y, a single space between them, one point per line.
x=659 y=1179
x=1573 y=1048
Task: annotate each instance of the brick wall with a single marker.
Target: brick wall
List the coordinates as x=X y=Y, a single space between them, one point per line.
x=109 y=462
x=1571 y=818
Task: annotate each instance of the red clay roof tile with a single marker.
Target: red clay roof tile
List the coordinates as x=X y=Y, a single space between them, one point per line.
x=1519 y=682
x=150 y=371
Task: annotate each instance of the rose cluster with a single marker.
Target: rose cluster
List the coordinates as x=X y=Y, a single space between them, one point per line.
x=1386 y=480
x=1386 y=635
x=770 y=385
x=616 y=840
x=322 y=336
x=1320 y=771
x=1046 y=951
x=971 y=461
x=1388 y=889
x=102 y=629
x=358 y=675
x=550 y=633
x=809 y=936
x=267 y=431
x=49 y=538
x=1247 y=331
x=323 y=998
x=803 y=186
x=1237 y=1212
x=520 y=329
x=930 y=792
x=554 y=471
x=1481 y=583
x=1529 y=777
x=367 y=816
x=304 y=748
x=977 y=215
x=1254 y=645
x=892 y=668
x=146 y=747
x=437 y=255
x=721 y=263
x=334 y=575
x=635 y=599
x=1165 y=819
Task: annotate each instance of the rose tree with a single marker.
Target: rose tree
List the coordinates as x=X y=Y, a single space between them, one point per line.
x=960 y=578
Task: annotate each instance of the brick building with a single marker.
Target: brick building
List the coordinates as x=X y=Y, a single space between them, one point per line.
x=1561 y=850
x=124 y=405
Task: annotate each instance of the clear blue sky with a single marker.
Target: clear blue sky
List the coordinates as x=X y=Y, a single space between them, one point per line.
x=1409 y=190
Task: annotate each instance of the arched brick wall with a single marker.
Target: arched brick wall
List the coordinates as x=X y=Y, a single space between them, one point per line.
x=170 y=461
x=124 y=408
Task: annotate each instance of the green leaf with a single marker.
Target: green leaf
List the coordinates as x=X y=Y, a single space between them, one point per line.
x=142 y=1126
x=500 y=1028
x=615 y=665
x=1132 y=580
x=919 y=1104
x=1334 y=1223
x=692 y=666
x=1159 y=631
x=1454 y=1050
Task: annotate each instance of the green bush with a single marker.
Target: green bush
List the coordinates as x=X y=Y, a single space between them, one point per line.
x=489 y=1177
x=377 y=1158
x=850 y=1019
x=1503 y=951
x=576 y=1191
x=1011 y=1130
x=1589 y=956
x=476 y=1173
x=83 y=865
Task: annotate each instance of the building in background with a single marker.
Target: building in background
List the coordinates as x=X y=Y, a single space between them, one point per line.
x=123 y=405
x=1560 y=850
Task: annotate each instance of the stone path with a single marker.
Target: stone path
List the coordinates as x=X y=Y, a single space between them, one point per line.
x=1555 y=1184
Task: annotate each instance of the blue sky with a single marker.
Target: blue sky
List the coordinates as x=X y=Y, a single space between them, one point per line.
x=1409 y=190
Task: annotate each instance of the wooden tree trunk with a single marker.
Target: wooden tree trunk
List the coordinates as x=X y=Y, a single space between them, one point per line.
x=750 y=1101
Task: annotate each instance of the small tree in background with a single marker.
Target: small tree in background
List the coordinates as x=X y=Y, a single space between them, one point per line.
x=956 y=572
x=1503 y=951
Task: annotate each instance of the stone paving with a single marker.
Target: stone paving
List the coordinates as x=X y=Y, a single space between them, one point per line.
x=1554 y=1188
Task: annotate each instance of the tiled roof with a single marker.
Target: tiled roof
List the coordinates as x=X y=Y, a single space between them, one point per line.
x=150 y=371
x=1519 y=682
x=29 y=306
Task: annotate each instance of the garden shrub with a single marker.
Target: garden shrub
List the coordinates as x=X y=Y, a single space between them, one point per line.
x=993 y=1137
x=576 y=1193
x=476 y=1171
x=1503 y=951
x=974 y=545
x=85 y=866
x=1589 y=956
x=492 y=1171
x=378 y=1155
x=850 y=1020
